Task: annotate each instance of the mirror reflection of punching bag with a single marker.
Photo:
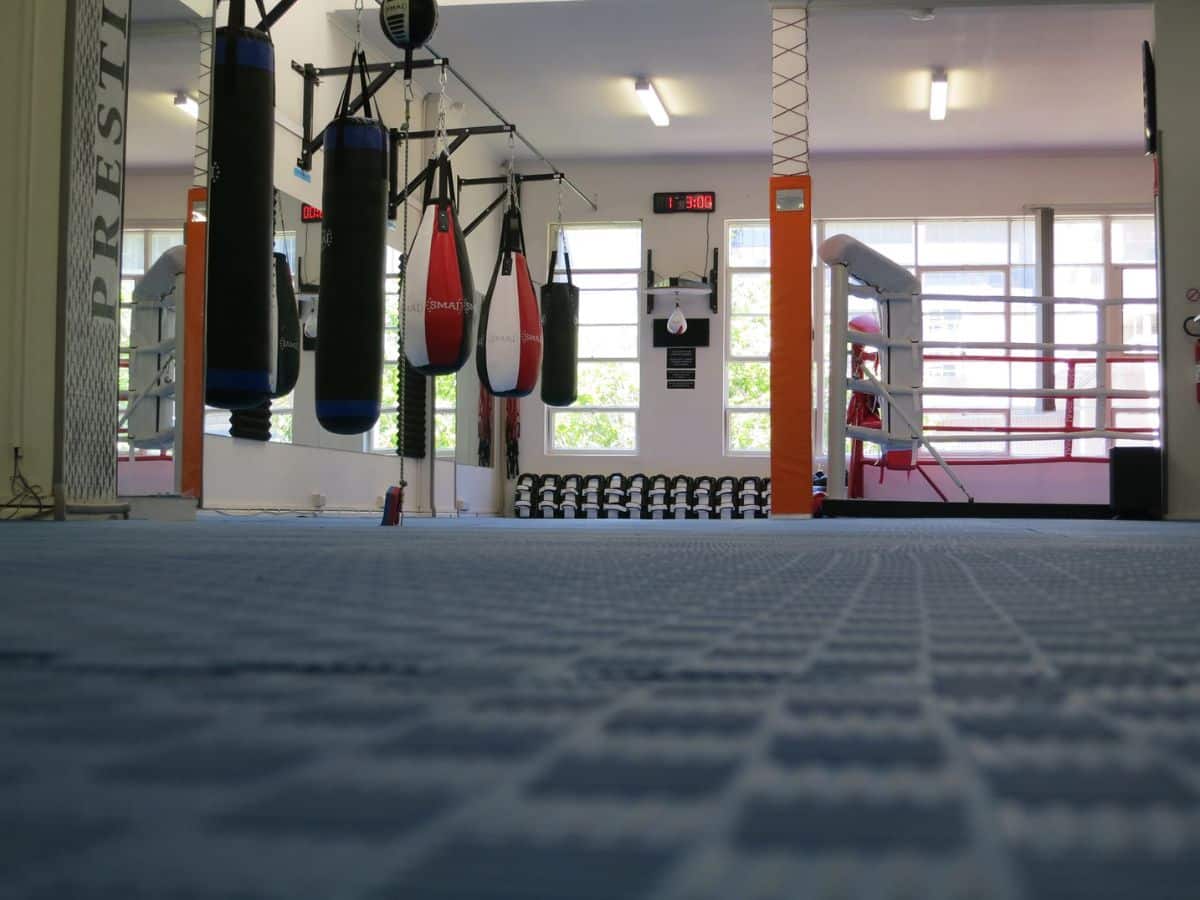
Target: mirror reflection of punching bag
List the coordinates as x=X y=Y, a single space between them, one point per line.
x=240 y=339
x=287 y=361
x=353 y=262
x=439 y=292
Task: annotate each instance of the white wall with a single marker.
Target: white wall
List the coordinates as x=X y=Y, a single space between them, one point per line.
x=156 y=198
x=32 y=41
x=682 y=432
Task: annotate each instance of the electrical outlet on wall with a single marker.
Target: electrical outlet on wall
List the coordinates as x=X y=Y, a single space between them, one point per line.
x=318 y=500
x=461 y=505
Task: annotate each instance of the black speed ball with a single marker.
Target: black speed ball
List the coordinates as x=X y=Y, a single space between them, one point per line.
x=408 y=24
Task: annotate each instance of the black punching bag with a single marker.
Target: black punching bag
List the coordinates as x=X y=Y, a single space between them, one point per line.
x=560 y=337
x=353 y=259
x=241 y=336
x=287 y=359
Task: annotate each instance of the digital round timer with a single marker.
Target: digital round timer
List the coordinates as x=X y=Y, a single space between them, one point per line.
x=695 y=201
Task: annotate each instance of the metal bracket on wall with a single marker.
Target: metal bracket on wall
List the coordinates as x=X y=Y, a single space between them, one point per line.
x=312 y=76
x=681 y=287
x=503 y=180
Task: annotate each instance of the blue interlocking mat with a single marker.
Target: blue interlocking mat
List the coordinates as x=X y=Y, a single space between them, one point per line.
x=608 y=710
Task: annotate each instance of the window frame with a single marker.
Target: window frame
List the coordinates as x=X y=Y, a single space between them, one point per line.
x=729 y=358
x=636 y=360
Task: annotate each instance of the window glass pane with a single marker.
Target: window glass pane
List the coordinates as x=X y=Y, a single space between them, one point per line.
x=446 y=391
x=750 y=245
x=1075 y=325
x=964 y=284
x=966 y=242
x=1133 y=239
x=594 y=431
x=749 y=432
x=216 y=421
x=609 y=384
x=133 y=252
x=606 y=281
x=749 y=335
x=1139 y=284
x=893 y=239
x=608 y=342
x=391 y=346
x=1079 y=281
x=445 y=425
x=750 y=384
x=1023 y=282
x=750 y=293
x=385 y=432
x=162 y=241
x=608 y=307
x=391 y=314
x=1078 y=241
x=605 y=246
x=390 y=397
x=1024 y=242
x=281 y=428
x=1140 y=325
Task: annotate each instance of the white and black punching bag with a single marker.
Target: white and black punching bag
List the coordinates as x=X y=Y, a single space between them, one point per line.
x=287 y=354
x=353 y=261
x=408 y=23
x=560 y=337
x=439 y=292
x=240 y=332
x=508 y=352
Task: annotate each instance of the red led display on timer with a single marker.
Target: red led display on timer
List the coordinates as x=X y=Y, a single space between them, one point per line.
x=686 y=202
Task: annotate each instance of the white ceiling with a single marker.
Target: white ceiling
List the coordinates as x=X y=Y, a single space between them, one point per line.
x=164 y=58
x=1032 y=77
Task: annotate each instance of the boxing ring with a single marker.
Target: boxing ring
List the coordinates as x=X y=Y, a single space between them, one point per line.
x=879 y=366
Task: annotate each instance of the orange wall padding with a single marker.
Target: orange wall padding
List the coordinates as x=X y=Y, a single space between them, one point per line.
x=791 y=351
x=190 y=414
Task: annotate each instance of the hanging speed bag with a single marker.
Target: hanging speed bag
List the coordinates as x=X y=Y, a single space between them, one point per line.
x=353 y=259
x=438 y=289
x=560 y=331
x=408 y=24
x=287 y=358
x=240 y=333
x=508 y=351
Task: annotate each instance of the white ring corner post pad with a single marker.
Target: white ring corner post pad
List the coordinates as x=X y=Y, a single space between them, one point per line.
x=900 y=320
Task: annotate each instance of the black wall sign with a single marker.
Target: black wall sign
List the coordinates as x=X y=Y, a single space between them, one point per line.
x=681 y=385
x=681 y=358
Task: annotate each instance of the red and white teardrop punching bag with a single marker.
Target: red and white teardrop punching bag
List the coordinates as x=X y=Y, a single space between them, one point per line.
x=508 y=352
x=439 y=293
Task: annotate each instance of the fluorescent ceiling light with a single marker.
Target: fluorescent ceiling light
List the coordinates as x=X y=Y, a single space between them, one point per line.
x=939 y=95
x=187 y=104
x=654 y=107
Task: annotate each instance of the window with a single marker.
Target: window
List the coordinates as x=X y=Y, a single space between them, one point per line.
x=445 y=413
x=606 y=264
x=1095 y=256
x=748 y=345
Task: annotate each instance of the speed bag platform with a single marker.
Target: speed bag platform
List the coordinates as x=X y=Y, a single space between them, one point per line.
x=349 y=376
x=439 y=292
x=239 y=322
x=560 y=335
x=508 y=352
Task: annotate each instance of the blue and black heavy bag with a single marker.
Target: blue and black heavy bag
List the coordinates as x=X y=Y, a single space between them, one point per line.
x=353 y=259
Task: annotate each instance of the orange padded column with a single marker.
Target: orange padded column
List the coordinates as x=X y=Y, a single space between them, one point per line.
x=189 y=414
x=791 y=345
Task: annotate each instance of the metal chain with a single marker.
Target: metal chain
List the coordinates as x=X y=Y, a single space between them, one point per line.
x=562 y=231
x=402 y=364
x=443 y=141
x=358 y=9
x=513 y=203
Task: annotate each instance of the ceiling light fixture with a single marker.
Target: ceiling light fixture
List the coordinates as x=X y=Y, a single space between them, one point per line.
x=926 y=14
x=939 y=95
x=654 y=106
x=187 y=104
